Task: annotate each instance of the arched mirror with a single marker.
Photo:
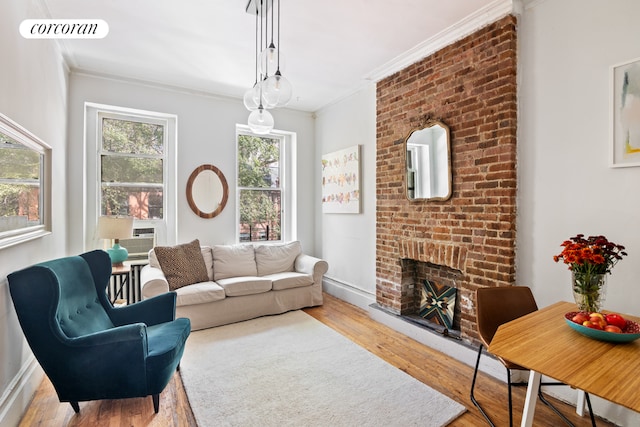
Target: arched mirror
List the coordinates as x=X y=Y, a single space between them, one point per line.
x=207 y=191
x=428 y=161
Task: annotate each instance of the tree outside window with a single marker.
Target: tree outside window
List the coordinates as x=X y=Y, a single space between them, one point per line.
x=259 y=188
x=131 y=168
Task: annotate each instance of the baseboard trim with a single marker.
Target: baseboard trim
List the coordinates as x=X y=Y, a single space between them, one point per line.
x=19 y=393
x=349 y=293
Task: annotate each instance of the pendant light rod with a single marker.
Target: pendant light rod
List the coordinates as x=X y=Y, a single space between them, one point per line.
x=278 y=34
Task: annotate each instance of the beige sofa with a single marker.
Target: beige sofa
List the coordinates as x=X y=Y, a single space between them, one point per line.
x=241 y=282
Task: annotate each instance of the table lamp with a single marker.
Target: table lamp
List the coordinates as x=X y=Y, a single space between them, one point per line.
x=116 y=228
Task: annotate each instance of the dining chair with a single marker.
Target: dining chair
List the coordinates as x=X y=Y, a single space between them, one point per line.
x=498 y=305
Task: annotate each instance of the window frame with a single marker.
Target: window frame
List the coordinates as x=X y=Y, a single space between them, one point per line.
x=287 y=184
x=21 y=135
x=102 y=152
x=165 y=228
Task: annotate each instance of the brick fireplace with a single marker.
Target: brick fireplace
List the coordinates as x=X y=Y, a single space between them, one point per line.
x=471 y=86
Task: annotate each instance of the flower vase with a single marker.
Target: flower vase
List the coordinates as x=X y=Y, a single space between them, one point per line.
x=589 y=290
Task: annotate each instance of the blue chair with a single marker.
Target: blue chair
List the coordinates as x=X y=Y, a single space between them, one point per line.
x=89 y=349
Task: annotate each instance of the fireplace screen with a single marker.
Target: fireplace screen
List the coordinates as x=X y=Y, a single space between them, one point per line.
x=437 y=303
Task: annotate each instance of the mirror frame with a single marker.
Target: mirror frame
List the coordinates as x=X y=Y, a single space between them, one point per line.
x=225 y=191
x=429 y=124
x=21 y=135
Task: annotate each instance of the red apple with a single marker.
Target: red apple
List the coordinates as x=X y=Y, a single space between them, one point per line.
x=592 y=325
x=580 y=318
x=598 y=318
x=616 y=319
x=613 y=328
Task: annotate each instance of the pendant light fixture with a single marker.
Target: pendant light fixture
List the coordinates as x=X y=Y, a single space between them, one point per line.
x=268 y=91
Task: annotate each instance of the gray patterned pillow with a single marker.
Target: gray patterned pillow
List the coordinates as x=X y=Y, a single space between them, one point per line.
x=182 y=265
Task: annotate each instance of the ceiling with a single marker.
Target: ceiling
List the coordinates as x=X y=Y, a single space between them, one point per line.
x=332 y=47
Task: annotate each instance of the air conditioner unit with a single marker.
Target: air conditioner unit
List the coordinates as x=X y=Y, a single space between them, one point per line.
x=143 y=240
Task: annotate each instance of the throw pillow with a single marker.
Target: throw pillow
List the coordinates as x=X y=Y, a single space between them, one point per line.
x=438 y=303
x=272 y=259
x=182 y=265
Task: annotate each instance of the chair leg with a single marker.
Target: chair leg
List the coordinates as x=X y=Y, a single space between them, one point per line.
x=473 y=384
x=553 y=408
x=75 y=406
x=593 y=418
x=156 y=402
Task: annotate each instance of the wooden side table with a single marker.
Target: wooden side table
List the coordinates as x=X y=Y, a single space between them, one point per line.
x=121 y=275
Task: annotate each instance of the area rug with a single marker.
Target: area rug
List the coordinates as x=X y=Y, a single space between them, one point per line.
x=292 y=370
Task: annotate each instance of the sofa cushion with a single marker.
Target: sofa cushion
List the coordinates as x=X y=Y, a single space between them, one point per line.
x=289 y=280
x=272 y=259
x=233 y=261
x=199 y=293
x=247 y=285
x=182 y=264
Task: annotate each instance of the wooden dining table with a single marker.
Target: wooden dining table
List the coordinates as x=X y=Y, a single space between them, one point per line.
x=542 y=342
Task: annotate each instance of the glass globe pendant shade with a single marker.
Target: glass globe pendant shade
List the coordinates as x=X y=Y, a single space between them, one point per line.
x=260 y=121
x=277 y=90
x=271 y=59
x=252 y=97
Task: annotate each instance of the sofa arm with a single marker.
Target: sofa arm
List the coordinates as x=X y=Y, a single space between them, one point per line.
x=152 y=282
x=308 y=264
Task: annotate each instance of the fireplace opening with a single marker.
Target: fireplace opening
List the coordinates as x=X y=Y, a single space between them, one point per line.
x=433 y=296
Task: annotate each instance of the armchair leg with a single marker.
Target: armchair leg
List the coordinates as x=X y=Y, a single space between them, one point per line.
x=75 y=406
x=156 y=402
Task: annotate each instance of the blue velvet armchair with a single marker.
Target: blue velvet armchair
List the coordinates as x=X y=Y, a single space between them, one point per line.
x=89 y=349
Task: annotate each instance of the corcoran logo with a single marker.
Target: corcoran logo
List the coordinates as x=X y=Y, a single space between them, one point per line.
x=64 y=29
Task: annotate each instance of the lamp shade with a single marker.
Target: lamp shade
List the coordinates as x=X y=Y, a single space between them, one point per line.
x=115 y=227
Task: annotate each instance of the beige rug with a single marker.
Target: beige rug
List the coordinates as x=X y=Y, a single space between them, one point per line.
x=292 y=370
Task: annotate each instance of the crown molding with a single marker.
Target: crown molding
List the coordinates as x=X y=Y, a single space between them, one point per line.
x=482 y=17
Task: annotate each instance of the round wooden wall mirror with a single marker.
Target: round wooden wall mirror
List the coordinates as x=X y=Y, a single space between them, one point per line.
x=207 y=191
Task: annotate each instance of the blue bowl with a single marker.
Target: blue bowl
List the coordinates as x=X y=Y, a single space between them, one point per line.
x=631 y=332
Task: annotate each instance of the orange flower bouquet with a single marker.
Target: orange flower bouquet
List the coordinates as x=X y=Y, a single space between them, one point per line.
x=589 y=260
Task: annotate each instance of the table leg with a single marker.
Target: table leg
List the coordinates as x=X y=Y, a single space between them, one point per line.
x=531 y=400
x=580 y=403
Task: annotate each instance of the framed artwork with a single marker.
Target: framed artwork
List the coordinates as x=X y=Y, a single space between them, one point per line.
x=341 y=181
x=625 y=114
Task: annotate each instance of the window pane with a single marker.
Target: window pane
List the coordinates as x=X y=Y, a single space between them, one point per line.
x=20 y=206
x=260 y=215
x=123 y=136
x=131 y=169
x=258 y=162
x=20 y=169
x=139 y=202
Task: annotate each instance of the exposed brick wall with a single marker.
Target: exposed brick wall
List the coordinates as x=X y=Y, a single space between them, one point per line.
x=471 y=86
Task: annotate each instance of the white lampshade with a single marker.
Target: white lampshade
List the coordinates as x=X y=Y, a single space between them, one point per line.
x=115 y=227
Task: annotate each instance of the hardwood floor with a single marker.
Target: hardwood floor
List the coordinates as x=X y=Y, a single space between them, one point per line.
x=435 y=369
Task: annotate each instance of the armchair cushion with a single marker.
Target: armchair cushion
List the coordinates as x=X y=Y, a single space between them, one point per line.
x=182 y=265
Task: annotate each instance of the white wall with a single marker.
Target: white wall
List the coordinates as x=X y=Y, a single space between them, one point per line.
x=349 y=240
x=206 y=134
x=565 y=184
x=33 y=92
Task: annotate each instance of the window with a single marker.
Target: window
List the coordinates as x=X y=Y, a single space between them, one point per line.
x=132 y=154
x=131 y=169
x=24 y=180
x=265 y=187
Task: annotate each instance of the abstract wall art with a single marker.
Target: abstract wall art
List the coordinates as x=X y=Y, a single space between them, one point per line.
x=341 y=181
